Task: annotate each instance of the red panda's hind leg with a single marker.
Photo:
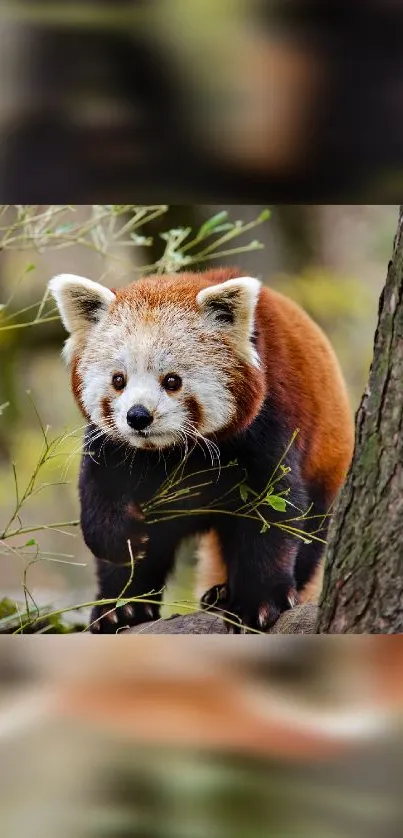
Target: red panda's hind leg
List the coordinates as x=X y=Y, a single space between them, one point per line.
x=211 y=573
x=261 y=582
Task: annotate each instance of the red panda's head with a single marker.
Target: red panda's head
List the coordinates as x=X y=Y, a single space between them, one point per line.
x=166 y=359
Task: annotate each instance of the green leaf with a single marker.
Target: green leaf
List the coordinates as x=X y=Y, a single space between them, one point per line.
x=120 y=602
x=30 y=267
x=243 y=491
x=30 y=543
x=7 y=608
x=264 y=215
x=276 y=502
x=212 y=223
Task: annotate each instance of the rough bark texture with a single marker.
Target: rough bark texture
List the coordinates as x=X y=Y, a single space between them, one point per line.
x=300 y=620
x=363 y=583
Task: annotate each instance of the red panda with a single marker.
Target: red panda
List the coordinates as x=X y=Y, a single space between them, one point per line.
x=177 y=369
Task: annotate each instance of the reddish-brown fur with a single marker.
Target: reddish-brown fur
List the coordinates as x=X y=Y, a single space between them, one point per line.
x=195 y=411
x=106 y=408
x=183 y=287
x=248 y=386
x=302 y=369
x=76 y=386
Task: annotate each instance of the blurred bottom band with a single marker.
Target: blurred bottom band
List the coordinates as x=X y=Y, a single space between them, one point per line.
x=186 y=738
x=73 y=781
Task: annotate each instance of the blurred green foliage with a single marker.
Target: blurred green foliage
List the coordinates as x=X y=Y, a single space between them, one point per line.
x=13 y=615
x=340 y=305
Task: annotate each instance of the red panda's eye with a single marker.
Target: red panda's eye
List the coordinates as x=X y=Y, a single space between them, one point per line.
x=172 y=382
x=119 y=381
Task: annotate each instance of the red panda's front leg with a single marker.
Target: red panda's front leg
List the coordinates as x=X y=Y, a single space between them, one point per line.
x=110 y=520
x=261 y=582
x=142 y=596
x=112 y=585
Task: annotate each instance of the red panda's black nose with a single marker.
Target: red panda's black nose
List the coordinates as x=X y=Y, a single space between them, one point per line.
x=138 y=417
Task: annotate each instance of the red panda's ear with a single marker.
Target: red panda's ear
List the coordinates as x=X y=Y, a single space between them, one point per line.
x=81 y=301
x=231 y=306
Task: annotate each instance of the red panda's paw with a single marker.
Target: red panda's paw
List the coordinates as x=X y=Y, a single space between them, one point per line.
x=264 y=615
x=215 y=599
x=108 y=620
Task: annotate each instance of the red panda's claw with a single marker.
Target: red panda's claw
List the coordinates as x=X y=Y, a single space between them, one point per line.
x=264 y=616
x=292 y=599
x=215 y=599
x=128 y=611
x=107 y=620
x=235 y=628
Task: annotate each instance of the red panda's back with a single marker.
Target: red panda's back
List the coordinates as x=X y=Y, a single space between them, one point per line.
x=302 y=369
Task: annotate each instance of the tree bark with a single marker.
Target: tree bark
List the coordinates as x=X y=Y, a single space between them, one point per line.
x=363 y=581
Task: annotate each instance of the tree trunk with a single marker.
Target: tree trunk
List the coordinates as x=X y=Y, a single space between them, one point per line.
x=363 y=583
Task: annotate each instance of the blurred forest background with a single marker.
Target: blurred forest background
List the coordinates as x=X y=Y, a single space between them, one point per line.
x=330 y=259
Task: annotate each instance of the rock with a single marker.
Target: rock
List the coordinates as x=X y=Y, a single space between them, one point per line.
x=299 y=620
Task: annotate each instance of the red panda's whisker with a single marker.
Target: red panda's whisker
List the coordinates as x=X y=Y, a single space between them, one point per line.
x=190 y=434
x=211 y=446
x=130 y=453
x=133 y=455
x=185 y=443
x=81 y=448
x=94 y=438
x=180 y=437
